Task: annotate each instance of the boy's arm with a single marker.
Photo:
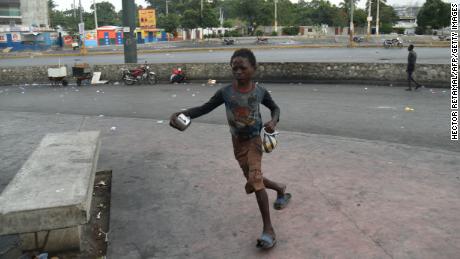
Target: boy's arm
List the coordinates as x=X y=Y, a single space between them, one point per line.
x=213 y=103
x=268 y=102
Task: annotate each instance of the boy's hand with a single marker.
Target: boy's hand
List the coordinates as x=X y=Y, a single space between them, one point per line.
x=270 y=126
x=172 y=120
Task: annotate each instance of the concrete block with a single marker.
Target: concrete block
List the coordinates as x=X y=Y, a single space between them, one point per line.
x=53 y=189
x=57 y=240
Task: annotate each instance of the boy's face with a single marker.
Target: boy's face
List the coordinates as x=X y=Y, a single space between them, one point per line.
x=242 y=69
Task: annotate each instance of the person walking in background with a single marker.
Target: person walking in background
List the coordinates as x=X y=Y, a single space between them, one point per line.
x=411 y=60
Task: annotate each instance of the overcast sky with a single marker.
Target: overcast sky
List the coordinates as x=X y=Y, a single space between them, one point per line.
x=66 y=4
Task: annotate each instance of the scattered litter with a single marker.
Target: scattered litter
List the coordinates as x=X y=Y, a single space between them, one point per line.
x=202 y=84
x=211 y=82
x=167 y=54
x=193 y=95
x=402 y=127
x=188 y=89
x=174 y=96
x=365 y=88
x=76 y=90
x=391 y=85
x=409 y=109
x=34 y=84
x=101 y=115
x=160 y=122
x=43 y=256
x=269 y=91
x=62 y=96
x=116 y=83
x=444 y=91
x=315 y=90
x=101 y=206
x=101 y=184
x=98 y=91
x=23 y=92
x=113 y=128
x=183 y=109
x=98 y=216
x=210 y=50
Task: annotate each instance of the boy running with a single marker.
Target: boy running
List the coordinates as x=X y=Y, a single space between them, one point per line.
x=242 y=99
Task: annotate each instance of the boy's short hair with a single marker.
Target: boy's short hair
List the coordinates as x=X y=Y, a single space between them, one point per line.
x=245 y=53
x=411 y=47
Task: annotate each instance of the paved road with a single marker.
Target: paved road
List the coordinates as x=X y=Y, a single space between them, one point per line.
x=341 y=110
x=366 y=55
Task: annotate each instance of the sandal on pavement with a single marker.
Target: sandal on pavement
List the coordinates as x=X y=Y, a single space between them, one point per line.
x=266 y=241
x=282 y=201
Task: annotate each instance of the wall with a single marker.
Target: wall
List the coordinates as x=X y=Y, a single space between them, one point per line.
x=366 y=73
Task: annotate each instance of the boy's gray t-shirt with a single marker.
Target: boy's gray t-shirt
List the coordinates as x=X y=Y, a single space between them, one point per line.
x=242 y=108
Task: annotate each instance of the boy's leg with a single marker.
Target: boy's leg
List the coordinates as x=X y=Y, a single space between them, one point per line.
x=262 y=201
x=279 y=188
x=409 y=81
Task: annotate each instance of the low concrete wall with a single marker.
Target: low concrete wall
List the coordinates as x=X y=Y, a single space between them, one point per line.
x=367 y=73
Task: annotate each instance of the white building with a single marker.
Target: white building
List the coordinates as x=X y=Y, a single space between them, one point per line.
x=21 y=14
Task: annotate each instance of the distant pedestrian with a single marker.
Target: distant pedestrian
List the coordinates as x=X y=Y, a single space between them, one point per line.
x=411 y=60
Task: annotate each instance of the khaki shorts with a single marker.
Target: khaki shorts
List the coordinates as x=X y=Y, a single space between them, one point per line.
x=248 y=153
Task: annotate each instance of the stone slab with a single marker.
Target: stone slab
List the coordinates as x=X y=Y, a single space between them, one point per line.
x=58 y=240
x=53 y=188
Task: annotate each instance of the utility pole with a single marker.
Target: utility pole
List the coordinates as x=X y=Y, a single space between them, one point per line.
x=129 y=25
x=74 y=7
x=81 y=29
x=95 y=14
x=201 y=13
x=276 y=17
x=167 y=11
x=81 y=11
x=351 y=22
x=369 y=20
x=221 y=17
x=377 y=22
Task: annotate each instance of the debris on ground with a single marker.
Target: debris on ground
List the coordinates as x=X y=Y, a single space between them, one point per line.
x=113 y=128
x=409 y=109
x=212 y=82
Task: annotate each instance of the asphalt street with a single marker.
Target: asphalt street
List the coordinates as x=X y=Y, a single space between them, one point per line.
x=362 y=112
x=363 y=55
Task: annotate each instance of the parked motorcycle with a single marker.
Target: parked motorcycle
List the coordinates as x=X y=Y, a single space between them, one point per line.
x=228 y=41
x=141 y=73
x=393 y=43
x=261 y=40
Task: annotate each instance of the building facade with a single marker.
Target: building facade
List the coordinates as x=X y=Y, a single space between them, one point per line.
x=24 y=13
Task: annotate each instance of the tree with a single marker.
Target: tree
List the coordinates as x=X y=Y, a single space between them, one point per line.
x=169 y=22
x=106 y=14
x=434 y=14
x=190 y=19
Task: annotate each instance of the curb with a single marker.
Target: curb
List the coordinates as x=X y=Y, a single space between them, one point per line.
x=215 y=49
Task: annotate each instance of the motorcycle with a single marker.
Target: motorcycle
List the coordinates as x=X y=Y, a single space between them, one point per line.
x=261 y=40
x=228 y=41
x=393 y=43
x=141 y=73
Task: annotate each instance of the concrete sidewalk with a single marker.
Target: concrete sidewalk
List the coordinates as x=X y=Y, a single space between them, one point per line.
x=178 y=195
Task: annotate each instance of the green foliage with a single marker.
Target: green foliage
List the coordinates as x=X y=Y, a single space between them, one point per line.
x=234 y=33
x=434 y=14
x=291 y=30
x=106 y=14
x=386 y=28
x=259 y=33
x=170 y=23
x=274 y=33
